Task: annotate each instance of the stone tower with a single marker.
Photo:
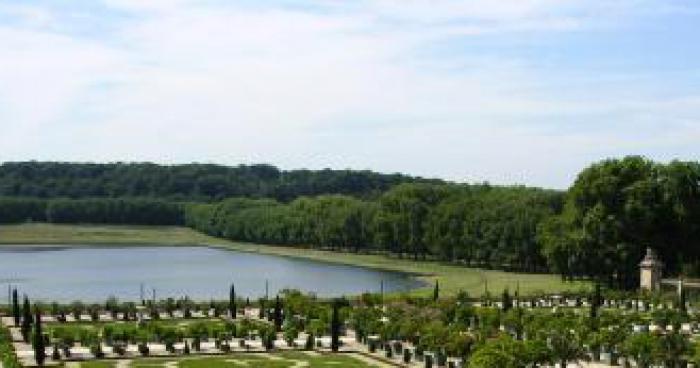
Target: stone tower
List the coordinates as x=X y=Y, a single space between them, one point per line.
x=650 y=271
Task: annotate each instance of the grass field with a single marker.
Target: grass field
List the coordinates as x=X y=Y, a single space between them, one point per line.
x=281 y=360
x=452 y=278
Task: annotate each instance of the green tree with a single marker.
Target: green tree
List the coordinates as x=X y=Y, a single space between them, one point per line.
x=232 y=302
x=674 y=349
x=502 y=352
x=565 y=345
x=15 y=307
x=335 y=326
x=277 y=314
x=506 y=301
x=644 y=348
x=26 y=320
x=39 y=342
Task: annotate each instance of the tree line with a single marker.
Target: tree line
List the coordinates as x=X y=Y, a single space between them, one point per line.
x=597 y=229
x=618 y=208
x=472 y=224
x=132 y=211
x=191 y=182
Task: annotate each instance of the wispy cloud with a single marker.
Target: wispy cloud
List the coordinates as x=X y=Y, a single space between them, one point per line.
x=467 y=90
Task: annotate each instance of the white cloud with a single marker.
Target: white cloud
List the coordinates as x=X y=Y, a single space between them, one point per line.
x=344 y=85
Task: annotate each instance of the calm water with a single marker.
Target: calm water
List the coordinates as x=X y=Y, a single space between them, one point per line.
x=93 y=274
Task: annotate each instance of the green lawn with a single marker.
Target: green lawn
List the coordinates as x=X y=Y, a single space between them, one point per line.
x=452 y=278
x=279 y=360
x=48 y=234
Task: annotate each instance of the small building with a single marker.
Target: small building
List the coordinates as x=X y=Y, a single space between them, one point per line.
x=650 y=271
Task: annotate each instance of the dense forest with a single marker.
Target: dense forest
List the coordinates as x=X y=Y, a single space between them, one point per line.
x=476 y=225
x=132 y=211
x=192 y=182
x=598 y=229
x=618 y=208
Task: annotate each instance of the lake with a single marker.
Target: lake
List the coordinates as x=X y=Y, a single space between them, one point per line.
x=95 y=273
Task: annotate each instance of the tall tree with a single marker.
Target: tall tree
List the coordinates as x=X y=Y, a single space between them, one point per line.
x=16 y=314
x=596 y=301
x=232 y=302
x=506 y=301
x=39 y=340
x=26 y=327
x=277 y=314
x=335 y=326
x=618 y=208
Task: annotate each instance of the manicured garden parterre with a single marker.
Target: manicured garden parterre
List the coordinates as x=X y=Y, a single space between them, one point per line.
x=502 y=330
x=281 y=360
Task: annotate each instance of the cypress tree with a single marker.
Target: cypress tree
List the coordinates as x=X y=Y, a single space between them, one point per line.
x=596 y=301
x=15 y=307
x=335 y=327
x=436 y=291
x=39 y=346
x=56 y=355
x=681 y=300
x=26 y=320
x=278 y=314
x=261 y=312
x=27 y=310
x=506 y=301
x=232 y=302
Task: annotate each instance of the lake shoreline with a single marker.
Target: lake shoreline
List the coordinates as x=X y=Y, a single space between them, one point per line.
x=93 y=273
x=452 y=278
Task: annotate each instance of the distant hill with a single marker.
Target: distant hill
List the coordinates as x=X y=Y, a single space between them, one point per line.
x=192 y=182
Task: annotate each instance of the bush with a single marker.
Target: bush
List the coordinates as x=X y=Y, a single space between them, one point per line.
x=225 y=347
x=441 y=359
x=7 y=353
x=56 y=355
x=96 y=350
x=119 y=349
x=309 y=345
x=143 y=349
x=372 y=347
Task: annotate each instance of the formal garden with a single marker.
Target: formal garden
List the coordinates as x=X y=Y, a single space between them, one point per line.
x=608 y=328
x=281 y=360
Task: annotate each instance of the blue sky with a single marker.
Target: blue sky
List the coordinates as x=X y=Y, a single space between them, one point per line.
x=511 y=92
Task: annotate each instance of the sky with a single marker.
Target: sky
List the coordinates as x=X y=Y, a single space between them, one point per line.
x=510 y=91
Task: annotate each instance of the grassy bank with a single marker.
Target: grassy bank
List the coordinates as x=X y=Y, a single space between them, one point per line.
x=452 y=278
